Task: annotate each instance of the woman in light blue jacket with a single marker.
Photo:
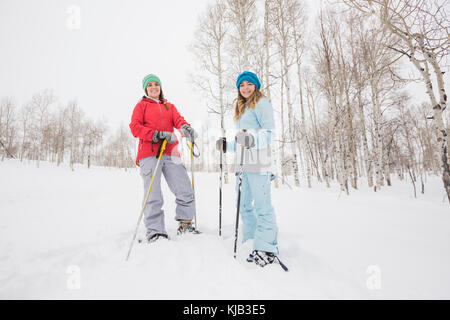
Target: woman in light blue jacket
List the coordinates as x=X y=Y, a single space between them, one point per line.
x=255 y=127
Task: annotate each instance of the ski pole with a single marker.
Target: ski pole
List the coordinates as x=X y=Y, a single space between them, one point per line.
x=220 y=195
x=191 y=144
x=222 y=151
x=158 y=155
x=238 y=201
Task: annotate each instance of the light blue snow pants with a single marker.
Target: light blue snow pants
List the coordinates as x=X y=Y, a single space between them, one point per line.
x=256 y=211
x=179 y=183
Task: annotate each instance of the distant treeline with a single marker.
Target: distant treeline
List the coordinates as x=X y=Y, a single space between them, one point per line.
x=42 y=130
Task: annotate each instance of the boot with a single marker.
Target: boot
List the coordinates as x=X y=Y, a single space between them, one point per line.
x=157 y=236
x=261 y=258
x=185 y=226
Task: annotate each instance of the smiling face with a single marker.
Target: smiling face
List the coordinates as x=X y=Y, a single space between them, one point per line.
x=153 y=90
x=246 y=89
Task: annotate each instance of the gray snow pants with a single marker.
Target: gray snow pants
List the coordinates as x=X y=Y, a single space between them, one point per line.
x=179 y=183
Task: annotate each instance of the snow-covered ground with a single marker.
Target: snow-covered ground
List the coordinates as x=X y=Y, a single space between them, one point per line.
x=65 y=235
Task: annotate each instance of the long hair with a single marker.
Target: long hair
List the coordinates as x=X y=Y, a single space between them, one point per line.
x=162 y=99
x=240 y=103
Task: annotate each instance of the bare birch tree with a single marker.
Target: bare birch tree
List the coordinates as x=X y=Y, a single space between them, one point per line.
x=209 y=47
x=328 y=73
x=7 y=128
x=40 y=103
x=297 y=19
x=280 y=20
x=422 y=28
x=242 y=16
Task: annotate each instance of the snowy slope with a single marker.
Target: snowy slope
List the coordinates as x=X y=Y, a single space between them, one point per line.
x=55 y=222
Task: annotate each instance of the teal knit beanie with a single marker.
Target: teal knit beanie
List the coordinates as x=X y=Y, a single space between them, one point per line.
x=250 y=77
x=149 y=78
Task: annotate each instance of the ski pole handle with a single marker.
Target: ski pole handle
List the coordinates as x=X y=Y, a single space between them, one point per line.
x=221 y=144
x=161 y=148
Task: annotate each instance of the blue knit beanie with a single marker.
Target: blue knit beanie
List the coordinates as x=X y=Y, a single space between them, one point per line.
x=250 y=77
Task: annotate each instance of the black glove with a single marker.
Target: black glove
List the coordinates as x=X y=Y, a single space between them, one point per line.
x=221 y=144
x=161 y=135
x=189 y=132
x=245 y=139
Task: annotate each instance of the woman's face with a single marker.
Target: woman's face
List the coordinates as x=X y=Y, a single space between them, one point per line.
x=153 y=90
x=246 y=89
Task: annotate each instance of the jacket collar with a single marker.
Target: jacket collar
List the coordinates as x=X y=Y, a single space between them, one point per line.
x=148 y=99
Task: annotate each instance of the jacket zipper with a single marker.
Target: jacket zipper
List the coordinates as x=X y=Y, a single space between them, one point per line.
x=162 y=116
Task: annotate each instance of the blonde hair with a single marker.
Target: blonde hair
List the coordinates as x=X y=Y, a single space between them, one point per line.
x=240 y=103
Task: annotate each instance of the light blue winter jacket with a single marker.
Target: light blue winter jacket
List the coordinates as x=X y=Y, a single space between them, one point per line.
x=260 y=123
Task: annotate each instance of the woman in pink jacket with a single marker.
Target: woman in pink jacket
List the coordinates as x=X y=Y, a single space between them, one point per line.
x=154 y=120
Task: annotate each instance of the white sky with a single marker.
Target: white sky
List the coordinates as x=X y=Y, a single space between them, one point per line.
x=102 y=63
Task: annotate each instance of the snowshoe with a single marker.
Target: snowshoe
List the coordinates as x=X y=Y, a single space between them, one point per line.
x=262 y=259
x=186 y=226
x=157 y=236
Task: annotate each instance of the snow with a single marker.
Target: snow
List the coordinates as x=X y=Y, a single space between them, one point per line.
x=65 y=235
